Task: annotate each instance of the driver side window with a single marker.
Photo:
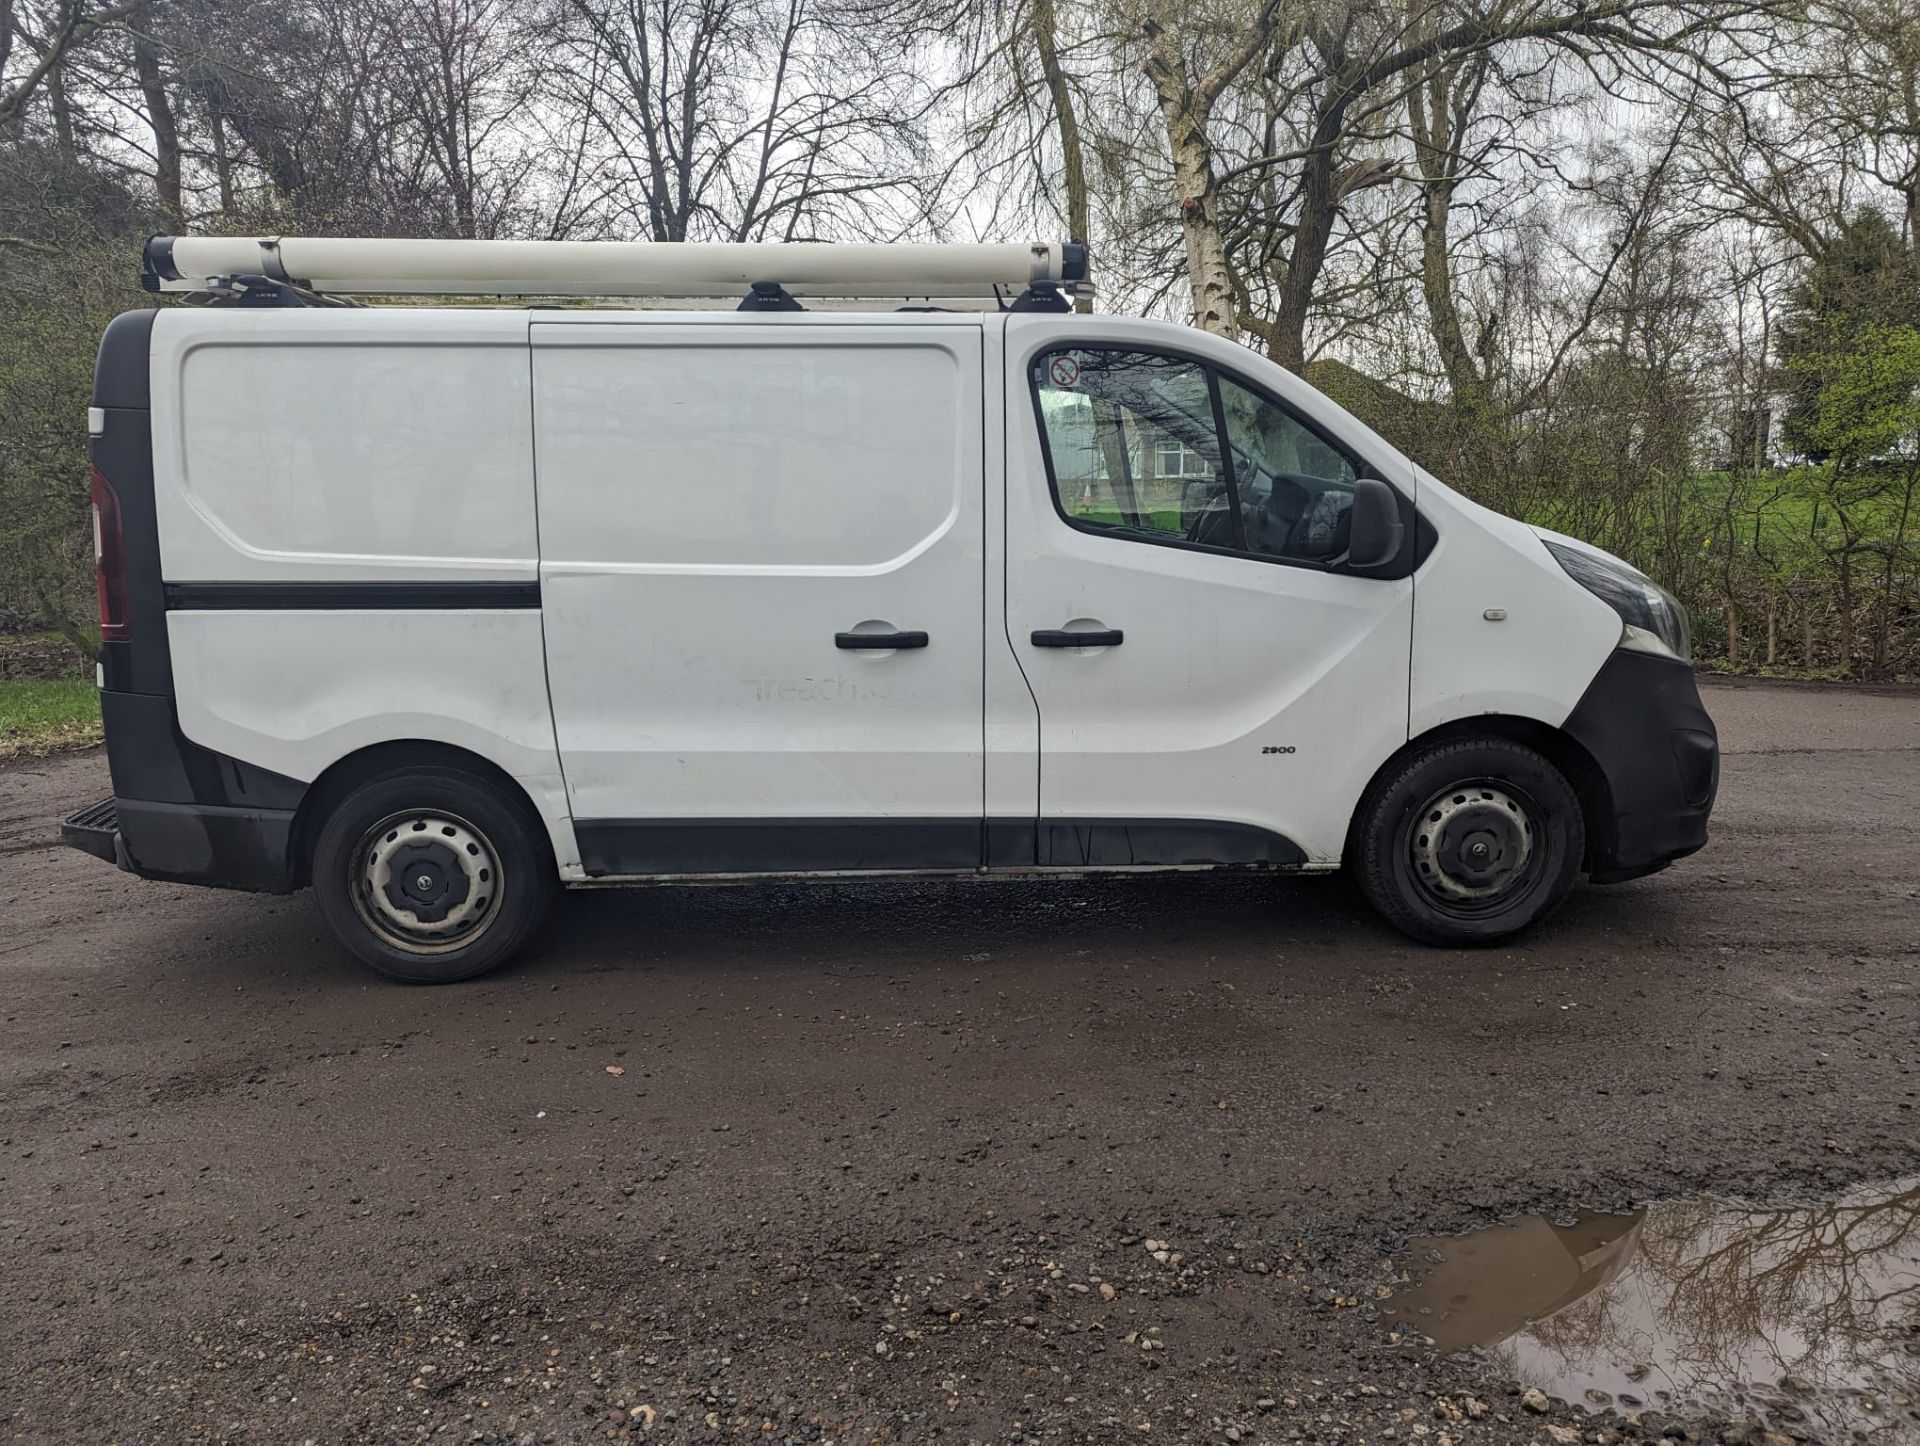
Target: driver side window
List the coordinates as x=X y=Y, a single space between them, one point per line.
x=1162 y=449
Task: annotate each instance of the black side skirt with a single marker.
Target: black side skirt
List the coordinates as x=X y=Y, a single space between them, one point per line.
x=637 y=846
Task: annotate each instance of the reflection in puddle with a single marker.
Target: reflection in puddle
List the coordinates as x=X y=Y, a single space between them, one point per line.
x=1802 y=1315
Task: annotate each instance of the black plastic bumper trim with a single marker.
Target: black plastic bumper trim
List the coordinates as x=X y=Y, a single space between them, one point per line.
x=642 y=847
x=227 y=848
x=1163 y=843
x=1642 y=722
x=185 y=843
x=774 y=845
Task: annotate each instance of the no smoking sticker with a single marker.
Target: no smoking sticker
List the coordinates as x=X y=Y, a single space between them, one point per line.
x=1065 y=371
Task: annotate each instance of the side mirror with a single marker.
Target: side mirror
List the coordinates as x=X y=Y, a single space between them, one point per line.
x=1377 y=529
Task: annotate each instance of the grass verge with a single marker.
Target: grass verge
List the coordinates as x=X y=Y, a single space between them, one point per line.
x=39 y=717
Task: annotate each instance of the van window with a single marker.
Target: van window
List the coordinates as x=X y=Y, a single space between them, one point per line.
x=1295 y=490
x=1133 y=445
x=1163 y=449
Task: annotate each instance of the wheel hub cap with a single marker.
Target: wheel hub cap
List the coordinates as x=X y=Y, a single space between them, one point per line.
x=427 y=881
x=1472 y=843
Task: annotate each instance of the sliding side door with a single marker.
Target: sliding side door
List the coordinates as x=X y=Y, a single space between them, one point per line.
x=761 y=575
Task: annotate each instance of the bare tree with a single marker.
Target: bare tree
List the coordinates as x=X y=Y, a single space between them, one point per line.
x=1024 y=78
x=734 y=119
x=1330 y=73
x=1191 y=57
x=167 y=177
x=1443 y=103
x=45 y=35
x=458 y=81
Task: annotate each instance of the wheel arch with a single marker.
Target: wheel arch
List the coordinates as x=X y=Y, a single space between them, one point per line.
x=345 y=774
x=1559 y=748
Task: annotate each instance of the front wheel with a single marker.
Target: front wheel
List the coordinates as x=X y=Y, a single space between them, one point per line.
x=1469 y=841
x=431 y=875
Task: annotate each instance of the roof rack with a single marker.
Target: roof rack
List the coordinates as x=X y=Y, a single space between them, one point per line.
x=306 y=270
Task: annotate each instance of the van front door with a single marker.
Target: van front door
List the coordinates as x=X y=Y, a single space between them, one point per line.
x=1213 y=688
x=761 y=578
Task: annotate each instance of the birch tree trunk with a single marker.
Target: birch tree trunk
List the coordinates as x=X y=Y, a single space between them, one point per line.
x=1214 y=307
x=1206 y=249
x=1186 y=105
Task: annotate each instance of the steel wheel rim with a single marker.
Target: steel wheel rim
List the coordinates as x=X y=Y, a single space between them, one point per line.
x=1475 y=846
x=426 y=881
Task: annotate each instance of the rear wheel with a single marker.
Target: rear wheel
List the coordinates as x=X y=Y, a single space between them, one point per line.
x=1469 y=841
x=431 y=875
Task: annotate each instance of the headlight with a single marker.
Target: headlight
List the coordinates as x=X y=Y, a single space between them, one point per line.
x=1655 y=620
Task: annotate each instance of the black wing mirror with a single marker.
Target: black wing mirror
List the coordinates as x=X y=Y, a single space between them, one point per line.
x=1377 y=529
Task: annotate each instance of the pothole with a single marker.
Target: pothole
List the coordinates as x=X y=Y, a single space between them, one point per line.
x=1807 y=1317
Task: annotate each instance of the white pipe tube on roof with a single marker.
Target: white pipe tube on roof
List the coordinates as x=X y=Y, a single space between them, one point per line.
x=611 y=268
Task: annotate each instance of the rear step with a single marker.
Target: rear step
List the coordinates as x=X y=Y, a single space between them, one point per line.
x=95 y=829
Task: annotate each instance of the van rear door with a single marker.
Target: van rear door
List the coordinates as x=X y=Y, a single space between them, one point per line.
x=761 y=576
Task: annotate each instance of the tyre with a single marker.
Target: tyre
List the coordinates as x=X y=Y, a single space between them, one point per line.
x=1468 y=841
x=432 y=875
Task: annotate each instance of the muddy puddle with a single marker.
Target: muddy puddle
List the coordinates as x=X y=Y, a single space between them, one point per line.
x=1806 y=1317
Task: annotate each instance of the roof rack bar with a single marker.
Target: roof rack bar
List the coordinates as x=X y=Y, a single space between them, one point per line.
x=344 y=265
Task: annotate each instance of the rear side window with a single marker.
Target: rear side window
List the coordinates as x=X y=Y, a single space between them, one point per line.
x=1163 y=449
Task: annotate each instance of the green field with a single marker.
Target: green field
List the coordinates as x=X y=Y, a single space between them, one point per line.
x=1163 y=520
x=37 y=717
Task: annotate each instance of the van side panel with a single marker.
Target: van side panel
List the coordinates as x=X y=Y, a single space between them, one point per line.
x=353 y=445
x=295 y=690
x=1250 y=701
x=726 y=505
x=1534 y=658
x=347 y=539
x=179 y=811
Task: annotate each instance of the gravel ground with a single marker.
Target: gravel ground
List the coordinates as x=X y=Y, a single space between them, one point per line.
x=1121 y=1160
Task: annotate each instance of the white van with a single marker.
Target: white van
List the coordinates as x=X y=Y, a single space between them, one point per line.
x=432 y=607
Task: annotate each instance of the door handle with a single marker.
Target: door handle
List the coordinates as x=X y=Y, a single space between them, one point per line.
x=877 y=641
x=1061 y=638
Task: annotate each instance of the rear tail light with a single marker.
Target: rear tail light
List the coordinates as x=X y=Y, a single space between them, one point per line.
x=110 y=561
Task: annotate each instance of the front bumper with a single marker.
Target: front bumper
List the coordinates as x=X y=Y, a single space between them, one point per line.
x=1658 y=755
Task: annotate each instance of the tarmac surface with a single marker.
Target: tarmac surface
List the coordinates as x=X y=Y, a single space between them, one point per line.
x=1095 y=1161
